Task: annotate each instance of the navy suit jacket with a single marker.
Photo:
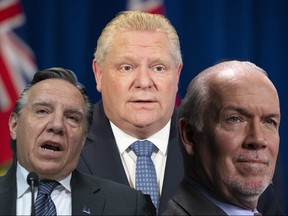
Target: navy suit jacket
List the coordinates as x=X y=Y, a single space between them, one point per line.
x=90 y=195
x=100 y=155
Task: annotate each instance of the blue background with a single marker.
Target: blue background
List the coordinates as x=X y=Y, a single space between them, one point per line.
x=64 y=33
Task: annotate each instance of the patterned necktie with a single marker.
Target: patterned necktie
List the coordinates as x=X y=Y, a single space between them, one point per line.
x=44 y=204
x=146 y=178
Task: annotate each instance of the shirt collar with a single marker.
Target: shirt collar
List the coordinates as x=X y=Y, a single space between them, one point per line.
x=232 y=209
x=21 y=176
x=159 y=139
x=22 y=185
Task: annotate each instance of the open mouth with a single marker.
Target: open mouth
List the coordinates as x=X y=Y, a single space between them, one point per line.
x=51 y=147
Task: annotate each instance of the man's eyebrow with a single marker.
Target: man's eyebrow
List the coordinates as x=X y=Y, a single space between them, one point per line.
x=246 y=112
x=235 y=108
x=40 y=102
x=48 y=104
x=76 y=111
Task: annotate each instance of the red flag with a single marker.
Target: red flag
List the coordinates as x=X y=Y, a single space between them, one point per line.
x=154 y=7
x=17 y=66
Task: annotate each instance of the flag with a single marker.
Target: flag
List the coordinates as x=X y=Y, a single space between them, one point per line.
x=154 y=7
x=17 y=66
x=150 y=6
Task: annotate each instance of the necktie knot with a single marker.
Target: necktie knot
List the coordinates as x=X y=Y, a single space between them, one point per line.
x=47 y=186
x=143 y=148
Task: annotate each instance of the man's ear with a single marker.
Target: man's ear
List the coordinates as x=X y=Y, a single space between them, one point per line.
x=97 y=74
x=186 y=134
x=13 y=125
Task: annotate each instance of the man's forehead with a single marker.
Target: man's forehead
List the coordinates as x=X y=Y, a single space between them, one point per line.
x=52 y=91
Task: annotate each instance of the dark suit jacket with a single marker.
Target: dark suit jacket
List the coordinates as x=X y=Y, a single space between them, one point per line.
x=189 y=201
x=100 y=156
x=89 y=193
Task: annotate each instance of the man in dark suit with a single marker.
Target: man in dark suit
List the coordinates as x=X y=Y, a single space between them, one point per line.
x=229 y=135
x=48 y=128
x=101 y=156
x=137 y=66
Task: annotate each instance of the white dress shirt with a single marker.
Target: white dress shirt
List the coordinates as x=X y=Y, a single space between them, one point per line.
x=61 y=195
x=128 y=157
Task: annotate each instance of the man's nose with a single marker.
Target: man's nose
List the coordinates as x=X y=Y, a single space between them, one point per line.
x=144 y=78
x=56 y=124
x=255 y=138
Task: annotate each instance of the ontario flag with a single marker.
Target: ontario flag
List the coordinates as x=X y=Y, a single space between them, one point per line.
x=17 y=67
x=154 y=7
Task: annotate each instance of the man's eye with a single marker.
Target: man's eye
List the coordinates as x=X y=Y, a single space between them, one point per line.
x=73 y=118
x=272 y=122
x=233 y=119
x=41 y=111
x=126 y=68
x=159 y=68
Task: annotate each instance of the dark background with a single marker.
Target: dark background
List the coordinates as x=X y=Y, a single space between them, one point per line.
x=64 y=33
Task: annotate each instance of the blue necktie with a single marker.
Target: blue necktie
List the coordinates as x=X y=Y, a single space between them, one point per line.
x=44 y=204
x=146 y=178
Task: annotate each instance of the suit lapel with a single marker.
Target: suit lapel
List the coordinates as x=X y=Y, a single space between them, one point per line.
x=99 y=146
x=8 y=192
x=174 y=170
x=86 y=197
x=194 y=202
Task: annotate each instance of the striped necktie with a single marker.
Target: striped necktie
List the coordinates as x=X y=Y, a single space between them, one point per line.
x=44 y=204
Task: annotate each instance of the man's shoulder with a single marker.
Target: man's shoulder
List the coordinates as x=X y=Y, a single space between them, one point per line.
x=104 y=184
x=113 y=198
x=9 y=178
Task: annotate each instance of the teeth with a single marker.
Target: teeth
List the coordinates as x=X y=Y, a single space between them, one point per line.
x=50 y=147
x=46 y=149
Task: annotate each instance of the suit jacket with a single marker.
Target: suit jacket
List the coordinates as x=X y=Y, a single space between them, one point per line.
x=189 y=201
x=100 y=155
x=90 y=196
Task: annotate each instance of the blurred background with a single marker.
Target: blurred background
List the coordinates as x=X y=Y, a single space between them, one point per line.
x=35 y=35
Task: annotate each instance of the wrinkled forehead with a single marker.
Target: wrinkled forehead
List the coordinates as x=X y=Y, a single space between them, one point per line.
x=56 y=90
